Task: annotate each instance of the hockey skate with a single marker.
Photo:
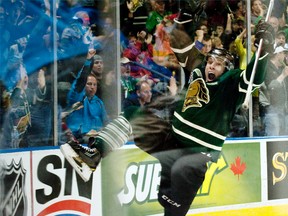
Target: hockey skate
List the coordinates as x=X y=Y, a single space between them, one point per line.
x=83 y=159
x=86 y=159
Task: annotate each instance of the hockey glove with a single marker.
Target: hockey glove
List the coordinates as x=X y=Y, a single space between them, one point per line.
x=266 y=32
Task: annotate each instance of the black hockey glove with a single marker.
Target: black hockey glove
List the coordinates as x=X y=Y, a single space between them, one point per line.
x=197 y=7
x=190 y=11
x=266 y=32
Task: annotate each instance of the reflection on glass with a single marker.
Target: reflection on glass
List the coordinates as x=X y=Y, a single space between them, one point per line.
x=156 y=40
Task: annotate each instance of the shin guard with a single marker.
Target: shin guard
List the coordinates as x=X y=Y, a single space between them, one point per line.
x=113 y=136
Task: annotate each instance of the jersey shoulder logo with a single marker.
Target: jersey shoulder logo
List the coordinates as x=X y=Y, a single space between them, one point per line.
x=197 y=92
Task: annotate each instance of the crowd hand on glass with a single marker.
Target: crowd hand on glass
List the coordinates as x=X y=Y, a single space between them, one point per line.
x=130 y=5
x=161 y=61
x=64 y=115
x=41 y=79
x=88 y=137
x=252 y=28
x=199 y=35
x=23 y=82
x=106 y=7
x=92 y=133
x=172 y=86
x=283 y=75
x=286 y=71
x=88 y=37
x=48 y=6
x=262 y=9
x=214 y=34
x=90 y=54
x=230 y=17
x=147 y=79
x=149 y=39
x=76 y=106
x=242 y=34
x=141 y=35
x=143 y=78
x=228 y=28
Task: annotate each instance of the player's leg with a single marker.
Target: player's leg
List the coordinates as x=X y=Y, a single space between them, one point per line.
x=86 y=159
x=181 y=177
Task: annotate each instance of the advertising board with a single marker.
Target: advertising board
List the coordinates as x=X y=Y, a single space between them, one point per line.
x=41 y=182
x=277 y=164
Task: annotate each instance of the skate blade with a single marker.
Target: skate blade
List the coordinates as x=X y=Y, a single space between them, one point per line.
x=80 y=167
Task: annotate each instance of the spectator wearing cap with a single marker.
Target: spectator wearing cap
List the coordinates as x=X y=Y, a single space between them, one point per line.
x=128 y=82
x=273 y=96
x=84 y=16
x=97 y=67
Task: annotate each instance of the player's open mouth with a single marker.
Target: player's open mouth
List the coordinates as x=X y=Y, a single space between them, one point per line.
x=211 y=76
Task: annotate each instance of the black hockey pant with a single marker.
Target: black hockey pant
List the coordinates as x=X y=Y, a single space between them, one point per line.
x=183 y=170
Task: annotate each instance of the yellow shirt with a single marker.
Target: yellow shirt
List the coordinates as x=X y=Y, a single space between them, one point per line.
x=242 y=52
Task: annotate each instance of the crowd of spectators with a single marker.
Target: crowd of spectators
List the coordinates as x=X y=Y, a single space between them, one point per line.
x=31 y=52
x=150 y=55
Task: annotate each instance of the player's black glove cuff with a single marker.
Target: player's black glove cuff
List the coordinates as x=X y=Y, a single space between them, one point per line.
x=266 y=32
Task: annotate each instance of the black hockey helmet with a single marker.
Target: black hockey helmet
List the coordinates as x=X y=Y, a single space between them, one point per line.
x=223 y=54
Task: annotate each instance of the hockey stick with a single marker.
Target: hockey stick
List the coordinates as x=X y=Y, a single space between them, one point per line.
x=125 y=60
x=245 y=104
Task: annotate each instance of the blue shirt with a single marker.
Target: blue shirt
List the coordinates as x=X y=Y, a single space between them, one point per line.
x=93 y=115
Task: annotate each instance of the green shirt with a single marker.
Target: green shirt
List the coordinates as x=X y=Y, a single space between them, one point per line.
x=154 y=19
x=202 y=119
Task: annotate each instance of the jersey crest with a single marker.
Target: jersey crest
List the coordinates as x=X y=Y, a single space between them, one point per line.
x=136 y=4
x=197 y=92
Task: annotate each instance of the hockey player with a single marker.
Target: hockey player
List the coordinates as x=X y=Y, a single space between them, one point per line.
x=194 y=136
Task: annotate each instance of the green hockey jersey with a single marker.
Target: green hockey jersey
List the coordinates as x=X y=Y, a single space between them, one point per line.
x=202 y=120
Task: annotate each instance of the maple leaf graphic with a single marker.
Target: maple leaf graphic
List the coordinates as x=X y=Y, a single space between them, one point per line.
x=238 y=167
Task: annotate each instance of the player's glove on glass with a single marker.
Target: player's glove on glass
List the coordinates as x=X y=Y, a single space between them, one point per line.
x=266 y=32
